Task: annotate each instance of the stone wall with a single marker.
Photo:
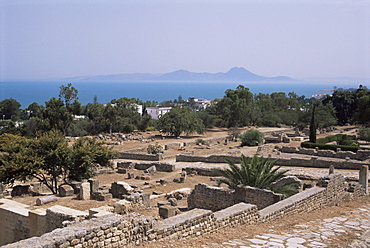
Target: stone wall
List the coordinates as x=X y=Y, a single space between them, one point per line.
x=18 y=221
x=108 y=231
x=303 y=202
x=259 y=197
x=141 y=156
x=314 y=161
x=133 y=229
x=215 y=198
x=359 y=155
x=211 y=198
x=207 y=159
x=166 y=167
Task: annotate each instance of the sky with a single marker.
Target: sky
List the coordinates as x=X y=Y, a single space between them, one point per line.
x=43 y=39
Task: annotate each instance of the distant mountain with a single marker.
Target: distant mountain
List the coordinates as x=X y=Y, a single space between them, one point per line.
x=236 y=74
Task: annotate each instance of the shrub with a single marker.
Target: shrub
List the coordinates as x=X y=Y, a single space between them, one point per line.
x=251 y=137
x=154 y=149
x=200 y=142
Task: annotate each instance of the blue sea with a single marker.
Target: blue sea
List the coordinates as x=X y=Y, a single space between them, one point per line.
x=28 y=92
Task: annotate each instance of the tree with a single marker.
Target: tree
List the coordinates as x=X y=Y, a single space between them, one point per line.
x=180 y=120
x=49 y=159
x=55 y=116
x=68 y=93
x=256 y=172
x=313 y=126
x=9 y=109
x=236 y=107
x=251 y=137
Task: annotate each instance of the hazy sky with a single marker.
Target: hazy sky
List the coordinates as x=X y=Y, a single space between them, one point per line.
x=59 y=38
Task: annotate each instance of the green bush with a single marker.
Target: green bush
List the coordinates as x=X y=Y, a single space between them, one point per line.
x=154 y=149
x=345 y=143
x=251 y=137
x=200 y=142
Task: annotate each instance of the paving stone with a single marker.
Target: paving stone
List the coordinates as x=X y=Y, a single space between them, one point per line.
x=276 y=240
x=294 y=245
x=258 y=241
x=352 y=223
x=276 y=236
x=318 y=243
x=275 y=244
x=262 y=237
x=296 y=240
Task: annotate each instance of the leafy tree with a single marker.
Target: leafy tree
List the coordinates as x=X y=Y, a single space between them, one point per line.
x=9 y=109
x=344 y=103
x=256 y=172
x=251 y=137
x=207 y=118
x=236 y=107
x=49 y=159
x=180 y=120
x=68 y=93
x=54 y=115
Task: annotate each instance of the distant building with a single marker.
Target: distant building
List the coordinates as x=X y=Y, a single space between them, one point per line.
x=201 y=103
x=156 y=112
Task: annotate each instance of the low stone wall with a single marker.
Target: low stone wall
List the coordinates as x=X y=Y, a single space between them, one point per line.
x=18 y=222
x=203 y=171
x=216 y=198
x=207 y=159
x=130 y=230
x=314 y=161
x=303 y=202
x=141 y=156
x=259 y=197
x=166 y=167
x=108 y=231
x=211 y=198
x=360 y=155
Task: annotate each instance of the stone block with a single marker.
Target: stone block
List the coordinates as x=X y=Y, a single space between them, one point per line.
x=119 y=189
x=46 y=199
x=101 y=196
x=66 y=190
x=163 y=203
x=146 y=199
x=167 y=211
x=20 y=190
x=151 y=170
x=94 y=185
x=122 y=206
x=364 y=178
x=76 y=186
x=1 y=190
x=36 y=187
x=84 y=192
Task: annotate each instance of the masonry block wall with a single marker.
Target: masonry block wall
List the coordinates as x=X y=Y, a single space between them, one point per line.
x=314 y=161
x=132 y=229
x=141 y=156
x=211 y=198
x=359 y=155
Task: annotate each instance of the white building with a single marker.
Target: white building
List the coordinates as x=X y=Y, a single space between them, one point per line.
x=156 y=112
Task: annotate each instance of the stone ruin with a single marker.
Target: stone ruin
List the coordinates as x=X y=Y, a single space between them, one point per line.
x=133 y=229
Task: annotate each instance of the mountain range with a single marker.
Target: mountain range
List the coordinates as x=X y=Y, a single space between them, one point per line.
x=235 y=74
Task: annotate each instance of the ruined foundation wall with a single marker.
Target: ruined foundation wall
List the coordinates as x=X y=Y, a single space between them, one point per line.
x=211 y=198
x=359 y=155
x=314 y=161
x=130 y=230
x=141 y=156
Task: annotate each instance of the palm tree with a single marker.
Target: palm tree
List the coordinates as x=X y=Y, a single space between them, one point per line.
x=257 y=172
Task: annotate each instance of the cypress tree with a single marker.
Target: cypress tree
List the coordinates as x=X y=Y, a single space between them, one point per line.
x=313 y=126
